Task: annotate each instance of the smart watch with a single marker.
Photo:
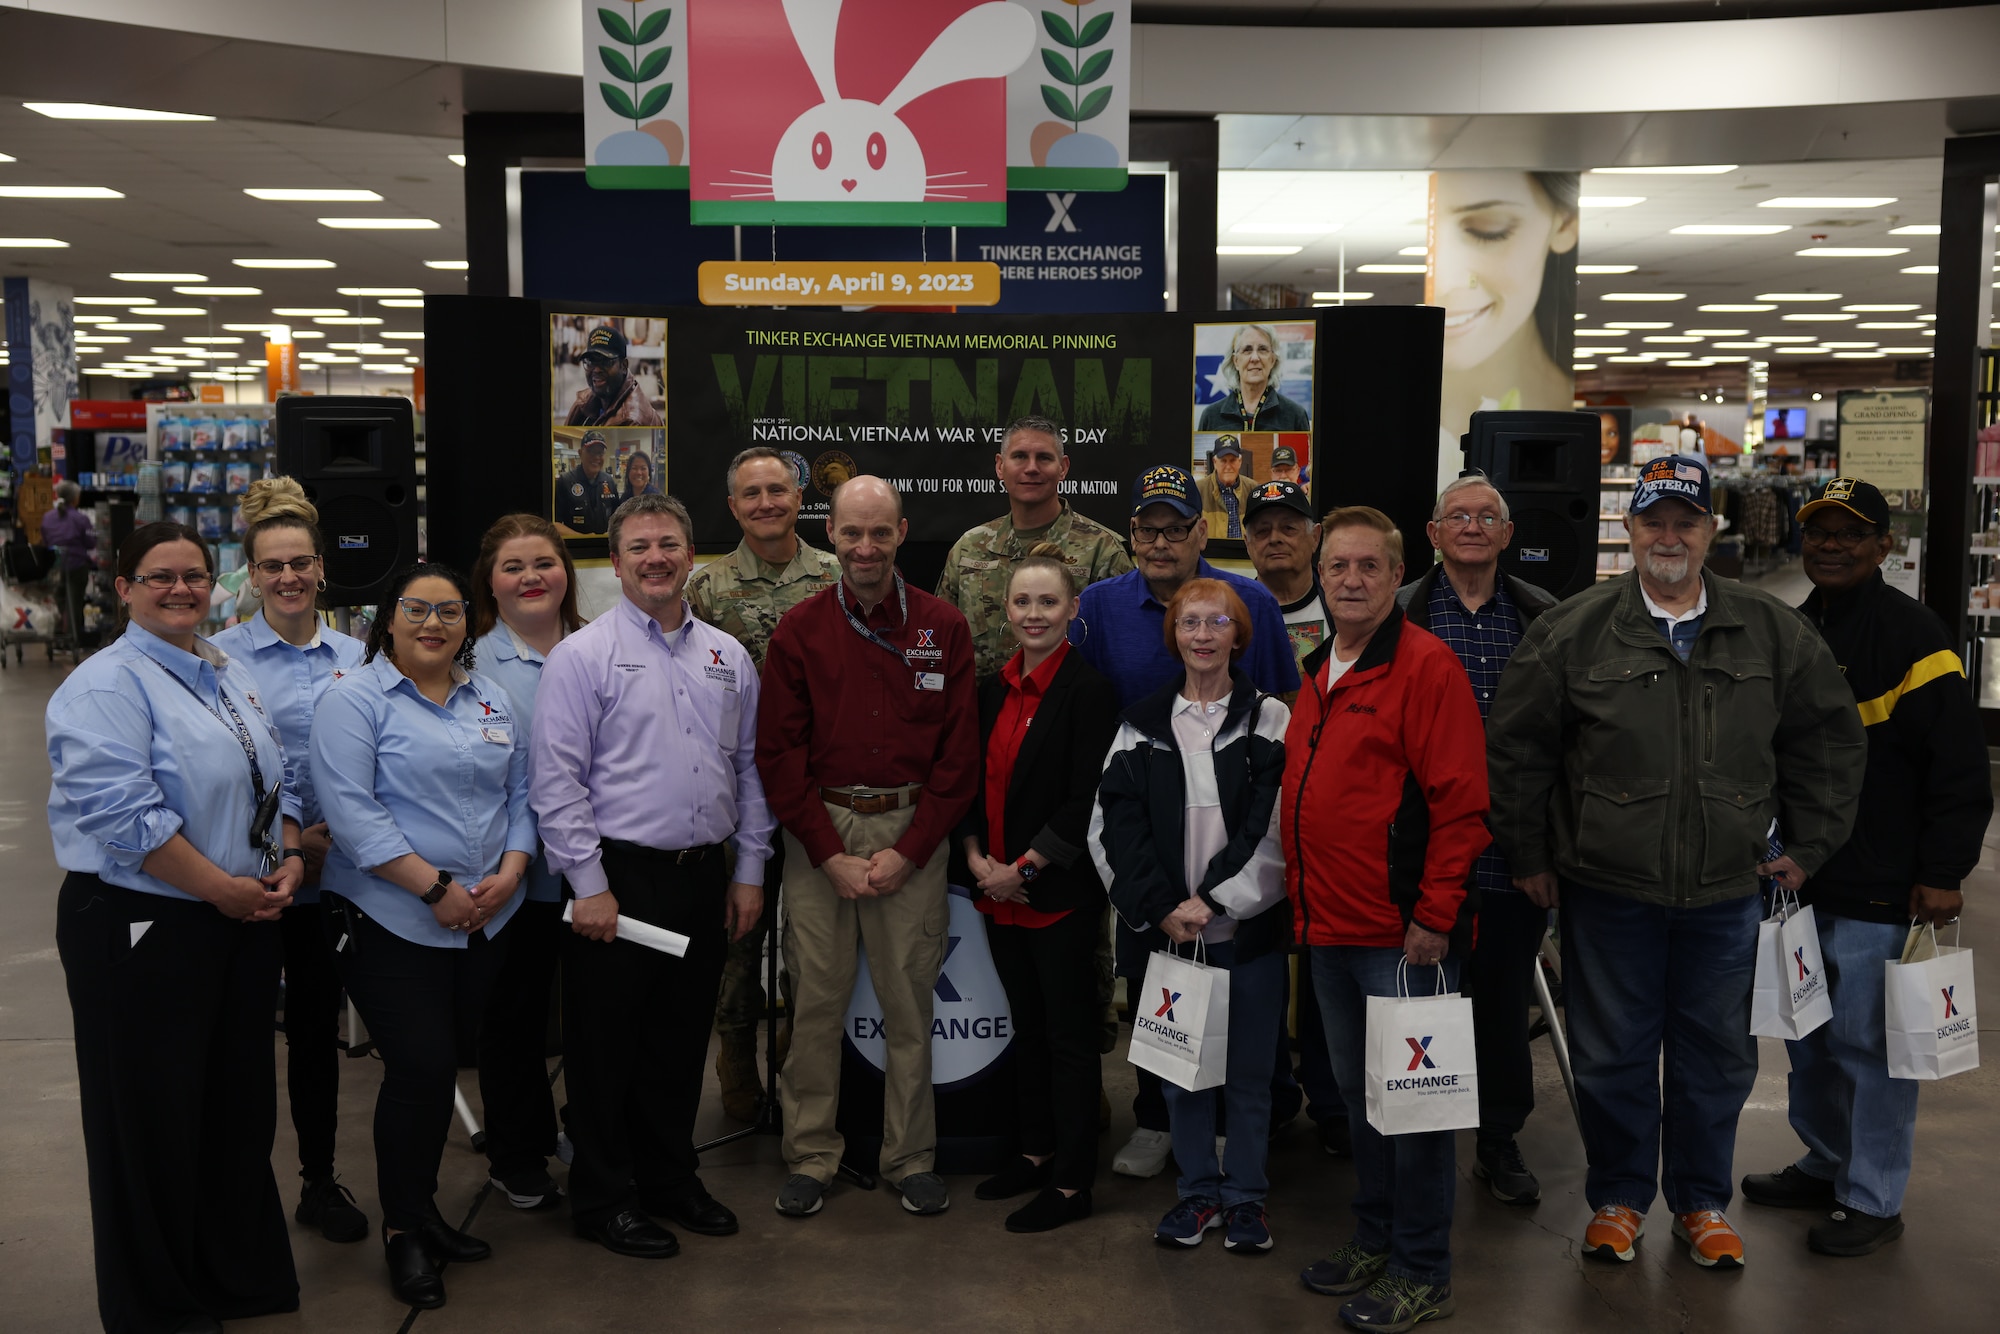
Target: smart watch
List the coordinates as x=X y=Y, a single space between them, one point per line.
x=1028 y=870
x=436 y=892
x=300 y=853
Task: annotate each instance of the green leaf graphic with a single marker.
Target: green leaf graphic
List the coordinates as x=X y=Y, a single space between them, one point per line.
x=1058 y=102
x=616 y=63
x=616 y=26
x=655 y=101
x=653 y=25
x=1058 y=65
x=1093 y=31
x=618 y=100
x=1057 y=25
x=655 y=64
x=1093 y=68
x=1094 y=103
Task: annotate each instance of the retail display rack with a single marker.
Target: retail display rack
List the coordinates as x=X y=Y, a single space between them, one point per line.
x=1982 y=656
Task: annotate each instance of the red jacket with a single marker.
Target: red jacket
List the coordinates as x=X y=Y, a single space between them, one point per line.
x=1384 y=801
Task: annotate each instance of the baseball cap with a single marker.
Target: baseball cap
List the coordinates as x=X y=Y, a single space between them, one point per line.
x=1862 y=499
x=1225 y=444
x=1278 y=495
x=1284 y=455
x=1681 y=477
x=592 y=438
x=1167 y=485
x=606 y=344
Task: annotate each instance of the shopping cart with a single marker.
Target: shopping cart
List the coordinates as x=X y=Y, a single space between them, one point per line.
x=30 y=593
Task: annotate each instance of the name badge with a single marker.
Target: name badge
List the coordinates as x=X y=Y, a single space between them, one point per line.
x=498 y=736
x=930 y=680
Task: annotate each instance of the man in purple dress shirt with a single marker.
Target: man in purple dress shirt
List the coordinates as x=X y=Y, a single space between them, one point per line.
x=643 y=768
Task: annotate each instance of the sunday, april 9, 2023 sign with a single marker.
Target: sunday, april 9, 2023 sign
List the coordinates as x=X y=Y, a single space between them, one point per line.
x=856 y=112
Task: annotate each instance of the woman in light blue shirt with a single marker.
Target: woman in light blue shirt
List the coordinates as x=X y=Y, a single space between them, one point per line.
x=293 y=659
x=523 y=603
x=421 y=770
x=163 y=766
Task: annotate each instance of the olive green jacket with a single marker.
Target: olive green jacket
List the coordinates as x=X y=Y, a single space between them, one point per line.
x=1614 y=764
x=981 y=562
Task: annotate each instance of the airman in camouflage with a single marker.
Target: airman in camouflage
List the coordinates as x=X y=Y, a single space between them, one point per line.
x=743 y=594
x=1031 y=466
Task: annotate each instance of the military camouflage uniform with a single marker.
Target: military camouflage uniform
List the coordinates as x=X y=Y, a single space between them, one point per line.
x=743 y=595
x=976 y=573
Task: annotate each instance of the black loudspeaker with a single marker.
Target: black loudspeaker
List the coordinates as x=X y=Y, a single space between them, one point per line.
x=356 y=457
x=1546 y=465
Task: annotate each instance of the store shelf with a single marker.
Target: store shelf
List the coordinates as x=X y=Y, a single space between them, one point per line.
x=1983 y=551
x=1987 y=613
x=1986 y=481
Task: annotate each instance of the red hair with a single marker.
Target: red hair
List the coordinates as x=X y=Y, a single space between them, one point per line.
x=1232 y=606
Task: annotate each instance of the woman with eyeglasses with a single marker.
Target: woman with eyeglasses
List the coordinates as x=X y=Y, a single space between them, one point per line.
x=421 y=768
x=1185 y=835
x=523 y=603
x=172 y=809
x=293 y=658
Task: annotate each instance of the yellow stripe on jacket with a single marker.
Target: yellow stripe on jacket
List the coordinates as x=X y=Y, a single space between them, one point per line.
x=1925 y=670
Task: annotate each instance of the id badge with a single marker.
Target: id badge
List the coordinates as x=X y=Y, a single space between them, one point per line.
x=497 y=736
x=930 y=680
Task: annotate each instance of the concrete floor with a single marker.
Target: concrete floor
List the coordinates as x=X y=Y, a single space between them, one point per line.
x=865 y=1264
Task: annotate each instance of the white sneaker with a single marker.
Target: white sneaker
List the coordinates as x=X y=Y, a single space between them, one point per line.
x=1144 y=1155
x=564 y=1149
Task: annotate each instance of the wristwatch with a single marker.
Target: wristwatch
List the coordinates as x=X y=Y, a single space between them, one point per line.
x=1028 y=870
x=436 y=892
x=300 y=853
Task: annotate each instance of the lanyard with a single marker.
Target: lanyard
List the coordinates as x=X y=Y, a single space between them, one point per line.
x=902 y=606
x=242 y=732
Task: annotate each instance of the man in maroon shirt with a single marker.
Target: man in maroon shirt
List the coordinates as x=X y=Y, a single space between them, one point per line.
x=868 y=744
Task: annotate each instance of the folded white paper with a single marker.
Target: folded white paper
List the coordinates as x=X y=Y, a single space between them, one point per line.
x=644 y=933
x=138 y=930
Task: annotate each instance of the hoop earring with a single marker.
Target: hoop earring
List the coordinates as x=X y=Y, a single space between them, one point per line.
x=1086 y=629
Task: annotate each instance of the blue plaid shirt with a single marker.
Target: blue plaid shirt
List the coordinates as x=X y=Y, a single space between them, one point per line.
x=1483 y=640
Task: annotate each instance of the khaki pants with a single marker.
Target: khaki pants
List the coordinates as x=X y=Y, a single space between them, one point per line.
x=904 y=934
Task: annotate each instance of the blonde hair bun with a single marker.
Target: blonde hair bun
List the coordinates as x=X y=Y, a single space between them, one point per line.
x=277 y=498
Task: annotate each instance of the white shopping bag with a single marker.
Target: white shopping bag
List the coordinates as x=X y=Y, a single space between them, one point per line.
x=1421 y=1074
x=1788 y=995
x=1180 y=1022
x=1932 y=1019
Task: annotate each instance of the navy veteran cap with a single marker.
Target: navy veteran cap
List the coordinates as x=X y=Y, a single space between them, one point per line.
x=1226 y=444
x=1682 y=477
x=1278 y=495
x=1862 y=499
x=1167 y=485
x=606 y=344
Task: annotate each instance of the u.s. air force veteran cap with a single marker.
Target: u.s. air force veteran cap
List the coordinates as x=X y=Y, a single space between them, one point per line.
x=1682 y=477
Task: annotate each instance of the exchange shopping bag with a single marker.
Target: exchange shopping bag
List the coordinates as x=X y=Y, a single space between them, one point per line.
x=1180 y=1023
x=1421 y=1074
x=1932 y=1019
x=1788 y=995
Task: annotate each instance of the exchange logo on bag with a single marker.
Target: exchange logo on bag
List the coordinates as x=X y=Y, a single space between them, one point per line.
x=1175 y=1033
x=1811 y=981
x=1420 y=1053
x=1425 y=1085
x=1958 y=1025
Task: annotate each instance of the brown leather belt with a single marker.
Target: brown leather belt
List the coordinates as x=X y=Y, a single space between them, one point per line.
x=870 y=801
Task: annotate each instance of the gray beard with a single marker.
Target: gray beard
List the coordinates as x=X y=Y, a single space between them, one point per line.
x=1670 y=571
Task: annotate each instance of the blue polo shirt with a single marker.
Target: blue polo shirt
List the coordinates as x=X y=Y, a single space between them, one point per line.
x=1121 y=631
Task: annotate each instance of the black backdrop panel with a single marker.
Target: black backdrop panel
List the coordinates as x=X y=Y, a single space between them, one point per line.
x=486 y=435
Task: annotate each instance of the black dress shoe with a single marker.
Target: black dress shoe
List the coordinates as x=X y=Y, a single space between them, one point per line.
x=199 y=1324
x=1020 y=1175
x=445 y=1243
x=632 y=1233
x=699 y=1212
x=1049 y=1210
x=412 y=1275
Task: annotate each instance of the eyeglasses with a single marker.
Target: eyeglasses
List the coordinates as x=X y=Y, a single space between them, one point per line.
x=196 y=580
x=271 y=569
x=416 y=611
x=1467 y=520
x=1145 y=535
x=1846 y=537
x=1192 y=624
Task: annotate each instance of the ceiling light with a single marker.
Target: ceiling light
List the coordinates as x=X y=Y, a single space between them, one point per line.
x=93 y=111
x=174 y=310
x=1598 y=351
x=1220 y=250
x=1703 y=362
x=1730 y=346
x=1789 y=338
x=1639 y=324
x=220 y=291
x=1889 y=324
x=1392 y=268
x=100 y=338
x=1735 y=308
x=337 y=361
x=316 y=196
x=1916 y=229
x=459 y=265
x=1799 y=351
x=307 y=333
x=402 y=303
x=1277 y=228
x=1607 y=268
x=282 y=263
x=306 y=312
x=1337 y=296
x=1907 y=351
x=1718 y=333
x=1927 y=318
x=1885 y=308
x=380 y=291
x=1661 y=171
x=406 y=333
x=1826 y=317
x=1798 y=296
x=381 y=224
x=58 y=192
x=213 y=338
x=132 y=328
x=32 y=243
x=1583 y=366
x=1727 y=361
x=161 y=277
x=92 y=319
x=1828 y=201
x=456 y=159
x=1830 y=343
x=1730 y=229
x=1851 y=251
x=1628 y=361
x=1413 y=250
x=1669 y=338
x=1643 y=296
x=1611 y=201
x=1603 y=333
x=347 y=319
x=1860 y=356
x=113 y=300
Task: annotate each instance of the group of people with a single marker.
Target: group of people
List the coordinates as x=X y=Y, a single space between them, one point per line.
x=1319 y=762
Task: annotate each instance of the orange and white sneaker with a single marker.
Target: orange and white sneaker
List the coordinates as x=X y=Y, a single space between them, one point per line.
x=1614 y=1233
x=1712 y=1243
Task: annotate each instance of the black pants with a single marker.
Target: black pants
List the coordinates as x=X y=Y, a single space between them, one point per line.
x=513 y=1045
x=177 y=1076
x=1502 y=978
x=1050 y=973
x=312 y=1036
x=635 y=1035
x=421 y=1003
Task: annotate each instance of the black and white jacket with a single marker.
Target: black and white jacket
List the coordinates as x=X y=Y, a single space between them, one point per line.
x=1137 y=828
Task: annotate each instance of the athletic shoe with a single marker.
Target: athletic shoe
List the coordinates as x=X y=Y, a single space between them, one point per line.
x=1851 y=1232
x=1394 y=1304
x=1712 y=1243
x=329 y=1206
x=530 y=1191
x=1186 y=1221
x=1249 y=1230
x=924 y=1193
x=801 y=1196
x=1144 y=1155
x=1789 y=1188
x=1498 y=1163
x=1614 y=1233
x=565 y=1150
x=1347 y=1271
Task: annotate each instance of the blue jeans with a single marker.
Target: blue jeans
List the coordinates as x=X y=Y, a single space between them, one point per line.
x=1322 y=1090
x=1641 y=980
x=1404 y=1185
x=1859 y=1125
x=1256 y=1009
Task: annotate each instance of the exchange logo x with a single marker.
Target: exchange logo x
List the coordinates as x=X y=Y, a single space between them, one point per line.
x=1420 y=1053
x=1059 y=218
x=716 y=654
x=1166 y=1010
x=1950 y=1006
x=1799 y=957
